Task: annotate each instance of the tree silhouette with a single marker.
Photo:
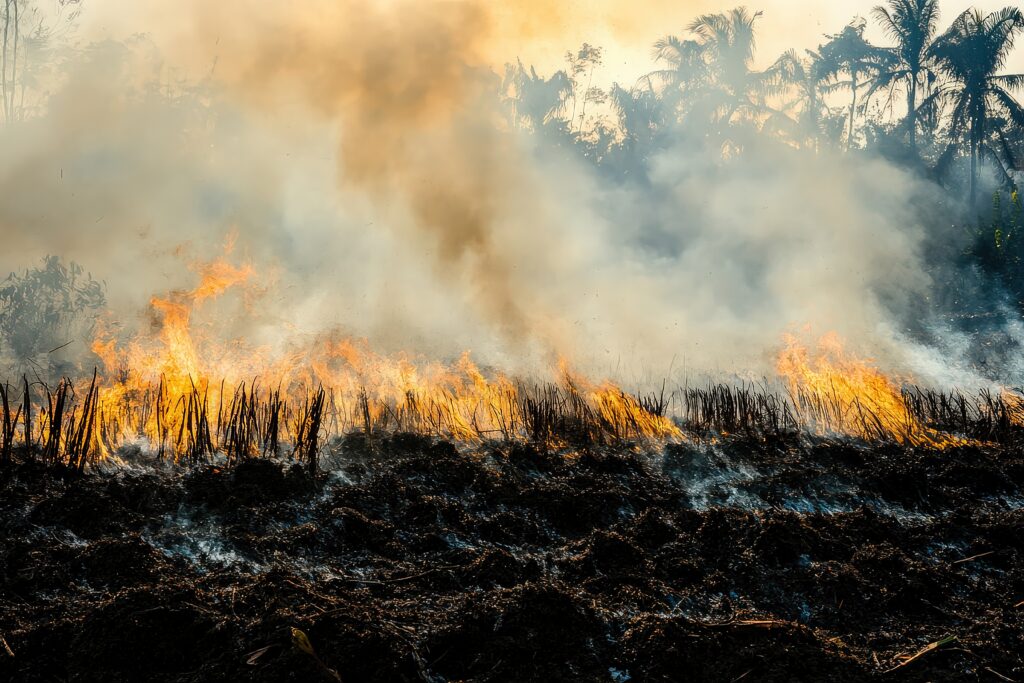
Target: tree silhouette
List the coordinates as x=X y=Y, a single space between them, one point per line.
x=706 y=90
x=686 y=69
x=536 y=102
x=913 y=25
x=971 y=54
x=710 y=80
x=641 y=120
x=582 y=64
x=804 y=113
x=850 y=54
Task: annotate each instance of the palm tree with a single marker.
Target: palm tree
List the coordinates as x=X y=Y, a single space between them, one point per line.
x=849 y=53
x=686 y=68
x=805 y=111
x=728 y=42
x=971 y=53
x=639 y=113
x=536 y=102
x=641 y=122
x=714 y=67
x=912 y=24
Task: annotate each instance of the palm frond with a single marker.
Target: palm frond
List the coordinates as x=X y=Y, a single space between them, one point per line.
x=1012 y=108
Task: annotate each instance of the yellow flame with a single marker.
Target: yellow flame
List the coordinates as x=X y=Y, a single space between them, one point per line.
x=153 y=387
x=838 y=393
x=172 y=385
x=622 y=413
x=1013 y=403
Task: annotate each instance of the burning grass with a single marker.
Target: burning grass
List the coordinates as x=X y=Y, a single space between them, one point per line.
x=71 y=426
x=186 y=395
x=77 y=424
x=833 y=392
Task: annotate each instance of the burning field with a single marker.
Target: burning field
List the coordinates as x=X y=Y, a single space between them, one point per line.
x=352 y=516
x=381 y=340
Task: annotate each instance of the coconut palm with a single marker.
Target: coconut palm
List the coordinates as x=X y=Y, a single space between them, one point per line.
x=714 y=67
x=642 y=121
x=686 y=69
x=850 y=54
x=536 y=102
x=639 y=113
x=913 y=25
x=804 y=112
x=971 y=54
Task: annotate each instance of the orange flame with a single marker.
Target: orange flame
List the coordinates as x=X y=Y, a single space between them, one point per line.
x=837 y=393
x=154 y=388
x=621 y=412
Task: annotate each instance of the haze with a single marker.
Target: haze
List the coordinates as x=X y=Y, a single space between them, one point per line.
x=539 y=32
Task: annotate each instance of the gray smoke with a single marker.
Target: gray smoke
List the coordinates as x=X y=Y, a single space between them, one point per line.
x=373 y=181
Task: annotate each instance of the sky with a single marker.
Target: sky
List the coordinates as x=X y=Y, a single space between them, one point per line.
x=539 y=32
x=627 y=35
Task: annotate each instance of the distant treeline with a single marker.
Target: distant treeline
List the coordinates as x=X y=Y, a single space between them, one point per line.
x=934 y=100
x=931 y=97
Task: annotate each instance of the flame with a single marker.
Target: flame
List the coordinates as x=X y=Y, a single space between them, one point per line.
x=216 y=277
x=1013 y=404
x=187 y=392
x=621 y=412
x=179 y=384
x=835 y=392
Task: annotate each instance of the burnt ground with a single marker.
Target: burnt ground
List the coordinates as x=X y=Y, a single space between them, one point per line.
x=413 y=561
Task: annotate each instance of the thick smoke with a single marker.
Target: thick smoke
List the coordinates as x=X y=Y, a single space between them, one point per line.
x=362 y=154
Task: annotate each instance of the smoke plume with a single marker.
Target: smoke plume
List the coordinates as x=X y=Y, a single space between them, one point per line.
x=363 y=156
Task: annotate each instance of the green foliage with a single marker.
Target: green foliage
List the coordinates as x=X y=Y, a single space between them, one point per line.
x=44 y=307
x=998 y=245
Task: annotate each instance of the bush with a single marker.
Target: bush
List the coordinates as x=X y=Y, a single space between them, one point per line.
x=47 y=307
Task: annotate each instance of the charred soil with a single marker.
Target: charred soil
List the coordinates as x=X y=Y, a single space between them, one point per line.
x=414 y=560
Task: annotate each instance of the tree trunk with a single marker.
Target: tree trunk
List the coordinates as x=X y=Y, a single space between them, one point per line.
x=974 y=174
x=912 y=111
x=816 y=132
x=853 y=111
x=974 y=163
x=586 y=96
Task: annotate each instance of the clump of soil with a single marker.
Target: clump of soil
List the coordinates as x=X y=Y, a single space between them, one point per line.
x=412 y=560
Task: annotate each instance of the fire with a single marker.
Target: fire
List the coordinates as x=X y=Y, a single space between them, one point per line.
x=1013 y=404
x=836 y=393
x=152 y=387
x=622 y=412
x=186 y=393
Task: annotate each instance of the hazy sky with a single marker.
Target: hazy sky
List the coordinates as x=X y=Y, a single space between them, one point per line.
x=540 y=31
x=627 y=28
